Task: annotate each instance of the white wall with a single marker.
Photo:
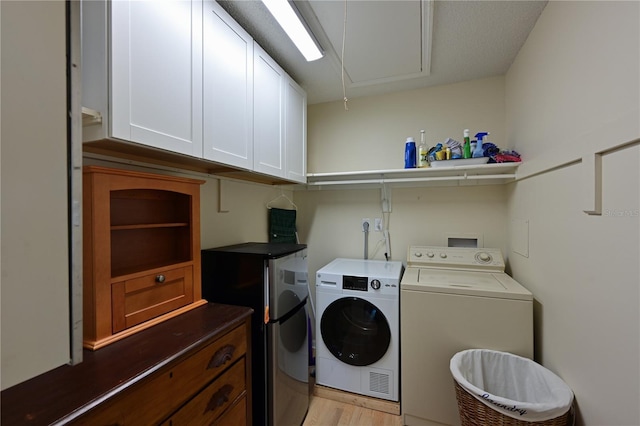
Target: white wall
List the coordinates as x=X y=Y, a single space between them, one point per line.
x=574 y=90
x=245 y=215
x=371 y=135
x=330 y=222
x=35 y=277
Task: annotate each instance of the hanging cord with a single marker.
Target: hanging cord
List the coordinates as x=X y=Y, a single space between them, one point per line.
x=344 y=37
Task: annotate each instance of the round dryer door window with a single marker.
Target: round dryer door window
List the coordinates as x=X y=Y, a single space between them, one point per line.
x=355 y=331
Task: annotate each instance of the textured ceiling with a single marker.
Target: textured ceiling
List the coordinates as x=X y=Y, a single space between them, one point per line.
x=385 y=50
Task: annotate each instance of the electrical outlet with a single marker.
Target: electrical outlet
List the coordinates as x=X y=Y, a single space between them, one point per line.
x=366 y=224
x=377 y=224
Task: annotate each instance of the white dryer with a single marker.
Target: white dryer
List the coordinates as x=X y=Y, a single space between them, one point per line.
x=358 y=327
x=455 y=299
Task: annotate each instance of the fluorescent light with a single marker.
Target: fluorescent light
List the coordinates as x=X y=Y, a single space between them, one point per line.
x=294 y=27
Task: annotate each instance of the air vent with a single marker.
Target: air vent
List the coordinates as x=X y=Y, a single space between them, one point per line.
x=379 y=382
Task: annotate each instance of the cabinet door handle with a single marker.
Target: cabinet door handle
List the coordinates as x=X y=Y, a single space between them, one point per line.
x=160 y=278
x=219 y=398
x=222 y=356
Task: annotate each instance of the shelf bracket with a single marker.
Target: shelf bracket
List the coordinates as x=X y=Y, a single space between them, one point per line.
x=222 y=197
x=90 y=117
x=592 y=178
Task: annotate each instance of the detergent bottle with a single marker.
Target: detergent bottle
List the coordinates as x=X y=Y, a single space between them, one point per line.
x=410 y=154
x=466 y=147
x=478 y=151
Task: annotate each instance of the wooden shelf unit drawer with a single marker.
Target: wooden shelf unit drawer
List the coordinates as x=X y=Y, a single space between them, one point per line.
x=137 y=300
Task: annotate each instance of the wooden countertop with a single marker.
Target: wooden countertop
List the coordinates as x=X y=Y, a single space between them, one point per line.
x=67 y=392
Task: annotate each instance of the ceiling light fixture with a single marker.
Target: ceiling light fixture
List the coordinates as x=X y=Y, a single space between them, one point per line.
x=292 y=23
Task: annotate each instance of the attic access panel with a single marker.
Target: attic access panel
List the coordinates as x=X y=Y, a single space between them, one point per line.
x=385 y=40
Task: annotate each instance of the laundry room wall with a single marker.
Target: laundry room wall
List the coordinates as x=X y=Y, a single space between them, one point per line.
x=371 y=135
x=330 y=222
x=573 y=91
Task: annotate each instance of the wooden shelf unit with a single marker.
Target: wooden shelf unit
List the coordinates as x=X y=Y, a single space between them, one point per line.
x=141 y=250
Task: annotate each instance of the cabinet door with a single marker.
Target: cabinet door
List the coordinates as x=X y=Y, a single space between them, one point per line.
x=268 y=115
x=228 y=89
x=295 y=132
x=156 y=73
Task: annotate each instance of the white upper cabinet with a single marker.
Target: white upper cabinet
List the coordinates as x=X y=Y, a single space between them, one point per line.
x=268 y=114
x=295 y=132
x=185 y=77
x=228 y=89
x=154 y=95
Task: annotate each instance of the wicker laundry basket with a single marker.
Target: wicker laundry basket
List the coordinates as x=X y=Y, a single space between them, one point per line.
x=475 y=413
x=484 y=373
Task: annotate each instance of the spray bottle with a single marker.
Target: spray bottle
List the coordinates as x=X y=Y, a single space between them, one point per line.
x=479 y=152
x=466 y=147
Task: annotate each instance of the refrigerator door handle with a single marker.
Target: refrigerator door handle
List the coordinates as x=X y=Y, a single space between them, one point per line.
x=289 y=314
x=267 y=315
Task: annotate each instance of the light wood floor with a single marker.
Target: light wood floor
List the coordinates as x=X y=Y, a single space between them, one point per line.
x=327 y=412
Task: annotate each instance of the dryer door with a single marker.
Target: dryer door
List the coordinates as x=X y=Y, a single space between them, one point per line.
x=355 y=331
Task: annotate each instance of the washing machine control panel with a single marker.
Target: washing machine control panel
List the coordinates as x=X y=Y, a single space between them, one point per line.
x=483 y=259
x=350 y=282
x=358 y=283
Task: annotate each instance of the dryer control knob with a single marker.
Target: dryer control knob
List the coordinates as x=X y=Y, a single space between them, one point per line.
x=430 y=255
x=418 y=254
x=375 y=284
x=483 y=257
x=443 y=255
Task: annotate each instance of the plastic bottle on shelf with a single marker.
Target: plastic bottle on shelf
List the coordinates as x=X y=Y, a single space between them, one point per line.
x=466 y=147
x=478 y=151
x=410 y=154
x=423 y=152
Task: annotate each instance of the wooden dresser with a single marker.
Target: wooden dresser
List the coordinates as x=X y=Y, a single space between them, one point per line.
x=191 y=369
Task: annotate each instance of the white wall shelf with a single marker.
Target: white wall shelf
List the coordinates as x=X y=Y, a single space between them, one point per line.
x=485 y=174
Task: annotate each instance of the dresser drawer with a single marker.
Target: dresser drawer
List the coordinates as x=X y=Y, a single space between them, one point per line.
x=214 y=400
x=150 y=402
x=236 y=416
x=138 y=300
x=209 y=362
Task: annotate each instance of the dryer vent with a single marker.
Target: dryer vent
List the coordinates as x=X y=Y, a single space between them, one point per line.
x=378 y=382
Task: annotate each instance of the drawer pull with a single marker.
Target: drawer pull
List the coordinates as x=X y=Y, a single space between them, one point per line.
x=160 y=278
x=219 y=398
x=222 y=356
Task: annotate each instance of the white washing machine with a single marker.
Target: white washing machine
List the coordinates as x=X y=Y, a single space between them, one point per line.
x=454 y=299
x=358 y=327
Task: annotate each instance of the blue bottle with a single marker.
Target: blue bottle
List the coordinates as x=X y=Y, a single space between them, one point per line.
x=410 y=154
x=479 y=151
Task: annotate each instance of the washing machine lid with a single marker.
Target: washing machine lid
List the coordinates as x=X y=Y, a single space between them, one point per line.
x=485 y=284
x=380 y=269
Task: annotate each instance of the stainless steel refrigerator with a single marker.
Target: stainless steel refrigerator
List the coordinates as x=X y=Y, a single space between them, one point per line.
x=271 y=278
